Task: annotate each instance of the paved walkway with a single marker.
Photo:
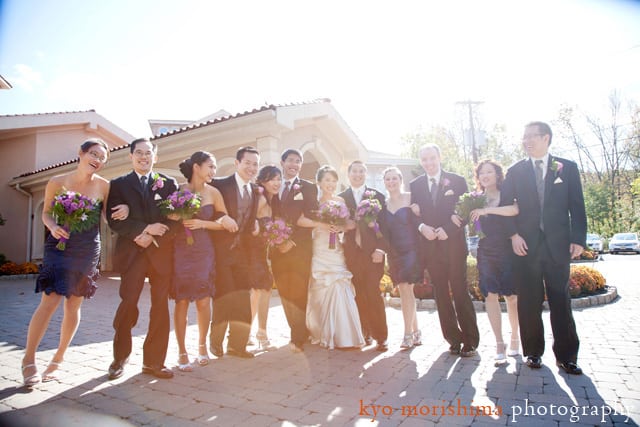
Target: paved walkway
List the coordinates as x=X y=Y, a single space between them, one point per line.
x=421 y=387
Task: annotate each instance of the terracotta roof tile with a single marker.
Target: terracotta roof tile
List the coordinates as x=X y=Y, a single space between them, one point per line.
x=47 y=114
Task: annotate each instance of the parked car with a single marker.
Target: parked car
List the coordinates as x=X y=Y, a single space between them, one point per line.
x=472 y=245
x=595 y=242
x=624 y=242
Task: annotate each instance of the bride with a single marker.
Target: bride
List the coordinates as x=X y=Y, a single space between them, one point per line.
x=332 y=314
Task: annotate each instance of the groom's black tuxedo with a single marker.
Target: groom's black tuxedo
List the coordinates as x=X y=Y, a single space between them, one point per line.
x=231 y=304
x=135 y=263
x=546 y=265
x=366 y=273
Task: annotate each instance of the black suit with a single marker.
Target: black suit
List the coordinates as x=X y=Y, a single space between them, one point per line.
x=446 y=260
x=291 y=270
x=366 y=273
x=546 y=265
x=231 y=304
x=135 y=263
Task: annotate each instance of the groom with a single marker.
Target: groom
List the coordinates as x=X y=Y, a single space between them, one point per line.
x=291 y=263
x=550 y=230
x=364 y=253
x=144 y=249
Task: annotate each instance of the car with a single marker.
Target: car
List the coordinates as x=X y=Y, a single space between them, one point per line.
x=595 y=242
x=472 y=245
x=624 y=242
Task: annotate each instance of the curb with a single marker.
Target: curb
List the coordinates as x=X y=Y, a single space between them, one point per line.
x=17 y=277
x=584 y=302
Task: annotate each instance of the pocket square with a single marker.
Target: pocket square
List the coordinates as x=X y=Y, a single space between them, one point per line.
x=449 y=193
x=298 y=196
x=157 y=197
x=558 y=180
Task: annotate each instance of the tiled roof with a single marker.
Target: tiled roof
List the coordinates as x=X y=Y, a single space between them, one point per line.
x=181 y=130
x=47 y=114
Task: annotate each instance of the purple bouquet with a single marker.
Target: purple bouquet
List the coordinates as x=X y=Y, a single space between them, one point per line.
x=334 y=213
x=75 y=213
x=183 y=203
x=467 y=203
x=276 y=232
x=367 y=211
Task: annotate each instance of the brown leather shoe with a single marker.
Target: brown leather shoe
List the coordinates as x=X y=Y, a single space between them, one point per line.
x=116 y=369
x=158 y=371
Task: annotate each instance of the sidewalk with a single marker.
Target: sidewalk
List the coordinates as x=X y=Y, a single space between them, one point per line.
x=421 y=387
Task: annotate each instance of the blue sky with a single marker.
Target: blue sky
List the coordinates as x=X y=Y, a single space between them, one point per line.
x=388 y=67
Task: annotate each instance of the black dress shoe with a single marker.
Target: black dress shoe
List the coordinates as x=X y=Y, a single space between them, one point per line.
x=368 y=341
x=467 y=351
x=534 y=362
x=216 y=350
x=570 y=368
x=116 y=369
x=158 y=371
x=239 y=353
x=382 y=346
x=455 y=349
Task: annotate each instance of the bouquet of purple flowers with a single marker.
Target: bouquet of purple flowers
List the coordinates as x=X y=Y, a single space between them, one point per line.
x=335 y=213
x=467 y=203
x=75 y=213
x=276 y=232
x=183 y=203
x=368 y=210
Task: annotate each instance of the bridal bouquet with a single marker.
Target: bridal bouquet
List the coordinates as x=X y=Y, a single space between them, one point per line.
x=467 y=203
x=276 y=232
x=334 y=213
x=367 y=211
x=75 y=213
x=184 y=204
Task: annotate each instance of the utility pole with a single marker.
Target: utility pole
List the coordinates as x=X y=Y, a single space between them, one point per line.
x=469 y=103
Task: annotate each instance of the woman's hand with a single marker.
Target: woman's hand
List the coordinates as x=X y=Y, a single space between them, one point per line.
x=59 y=232
x=286 y=246
x=477 y=213
x=455 y=218
x=194 y=224
x=120 y=212
x=415 y=209
x=229 y=224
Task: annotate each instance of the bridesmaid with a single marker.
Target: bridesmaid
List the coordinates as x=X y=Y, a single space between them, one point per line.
x=194 y=272
x=400 y=225
x=269 y=180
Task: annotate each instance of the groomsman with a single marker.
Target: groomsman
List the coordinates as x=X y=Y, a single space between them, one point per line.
x=365 y=253
x=144 y=249
x=231 y=303
x=444 y=250
x=549 y=231
x=291 y=263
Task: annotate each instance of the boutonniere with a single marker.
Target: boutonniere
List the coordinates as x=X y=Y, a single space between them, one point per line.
x=557 y=166
x=158 y=181
x=445 y=182
x=296 y=187
x=449 y=193
x=258 y=190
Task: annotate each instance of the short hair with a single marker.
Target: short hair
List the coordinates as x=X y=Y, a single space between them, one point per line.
x=91 y=142
x=132 y=145
x=430 y=146
x=197 y=158
x=496 y=166
x=243 y=150
x=267 y=173
x=392 y=169
x=326 y=169
x=289 y=151
x=356 y=162
x=543 y=128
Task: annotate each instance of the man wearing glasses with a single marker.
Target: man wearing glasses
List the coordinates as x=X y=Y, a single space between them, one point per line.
x=144 y=249
x=548 y=232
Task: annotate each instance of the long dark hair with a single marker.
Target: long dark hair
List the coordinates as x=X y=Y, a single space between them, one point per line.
x=266 y=174
x=86 y=146
x=498 y=169
x=197 y=158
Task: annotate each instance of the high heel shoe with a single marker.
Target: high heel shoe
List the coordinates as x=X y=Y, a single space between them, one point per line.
x=417 y=337
x=407 y=341
x=514 y=348
x=263 y=341
x=50 y=374
x=203 y=359
x=30 y=380
x=500 y=356
x=184 y=367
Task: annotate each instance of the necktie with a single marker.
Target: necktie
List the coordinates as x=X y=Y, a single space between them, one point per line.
x=540 y=188
x=143 y=183
x=433 y=190
x=245 y=194
x=285 y=192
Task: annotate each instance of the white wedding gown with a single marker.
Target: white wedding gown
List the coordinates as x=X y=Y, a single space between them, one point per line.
x=332 y=314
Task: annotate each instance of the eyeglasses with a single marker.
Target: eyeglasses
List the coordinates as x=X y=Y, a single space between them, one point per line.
x=531 y=136
x=140 y=153
x=97 y=156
